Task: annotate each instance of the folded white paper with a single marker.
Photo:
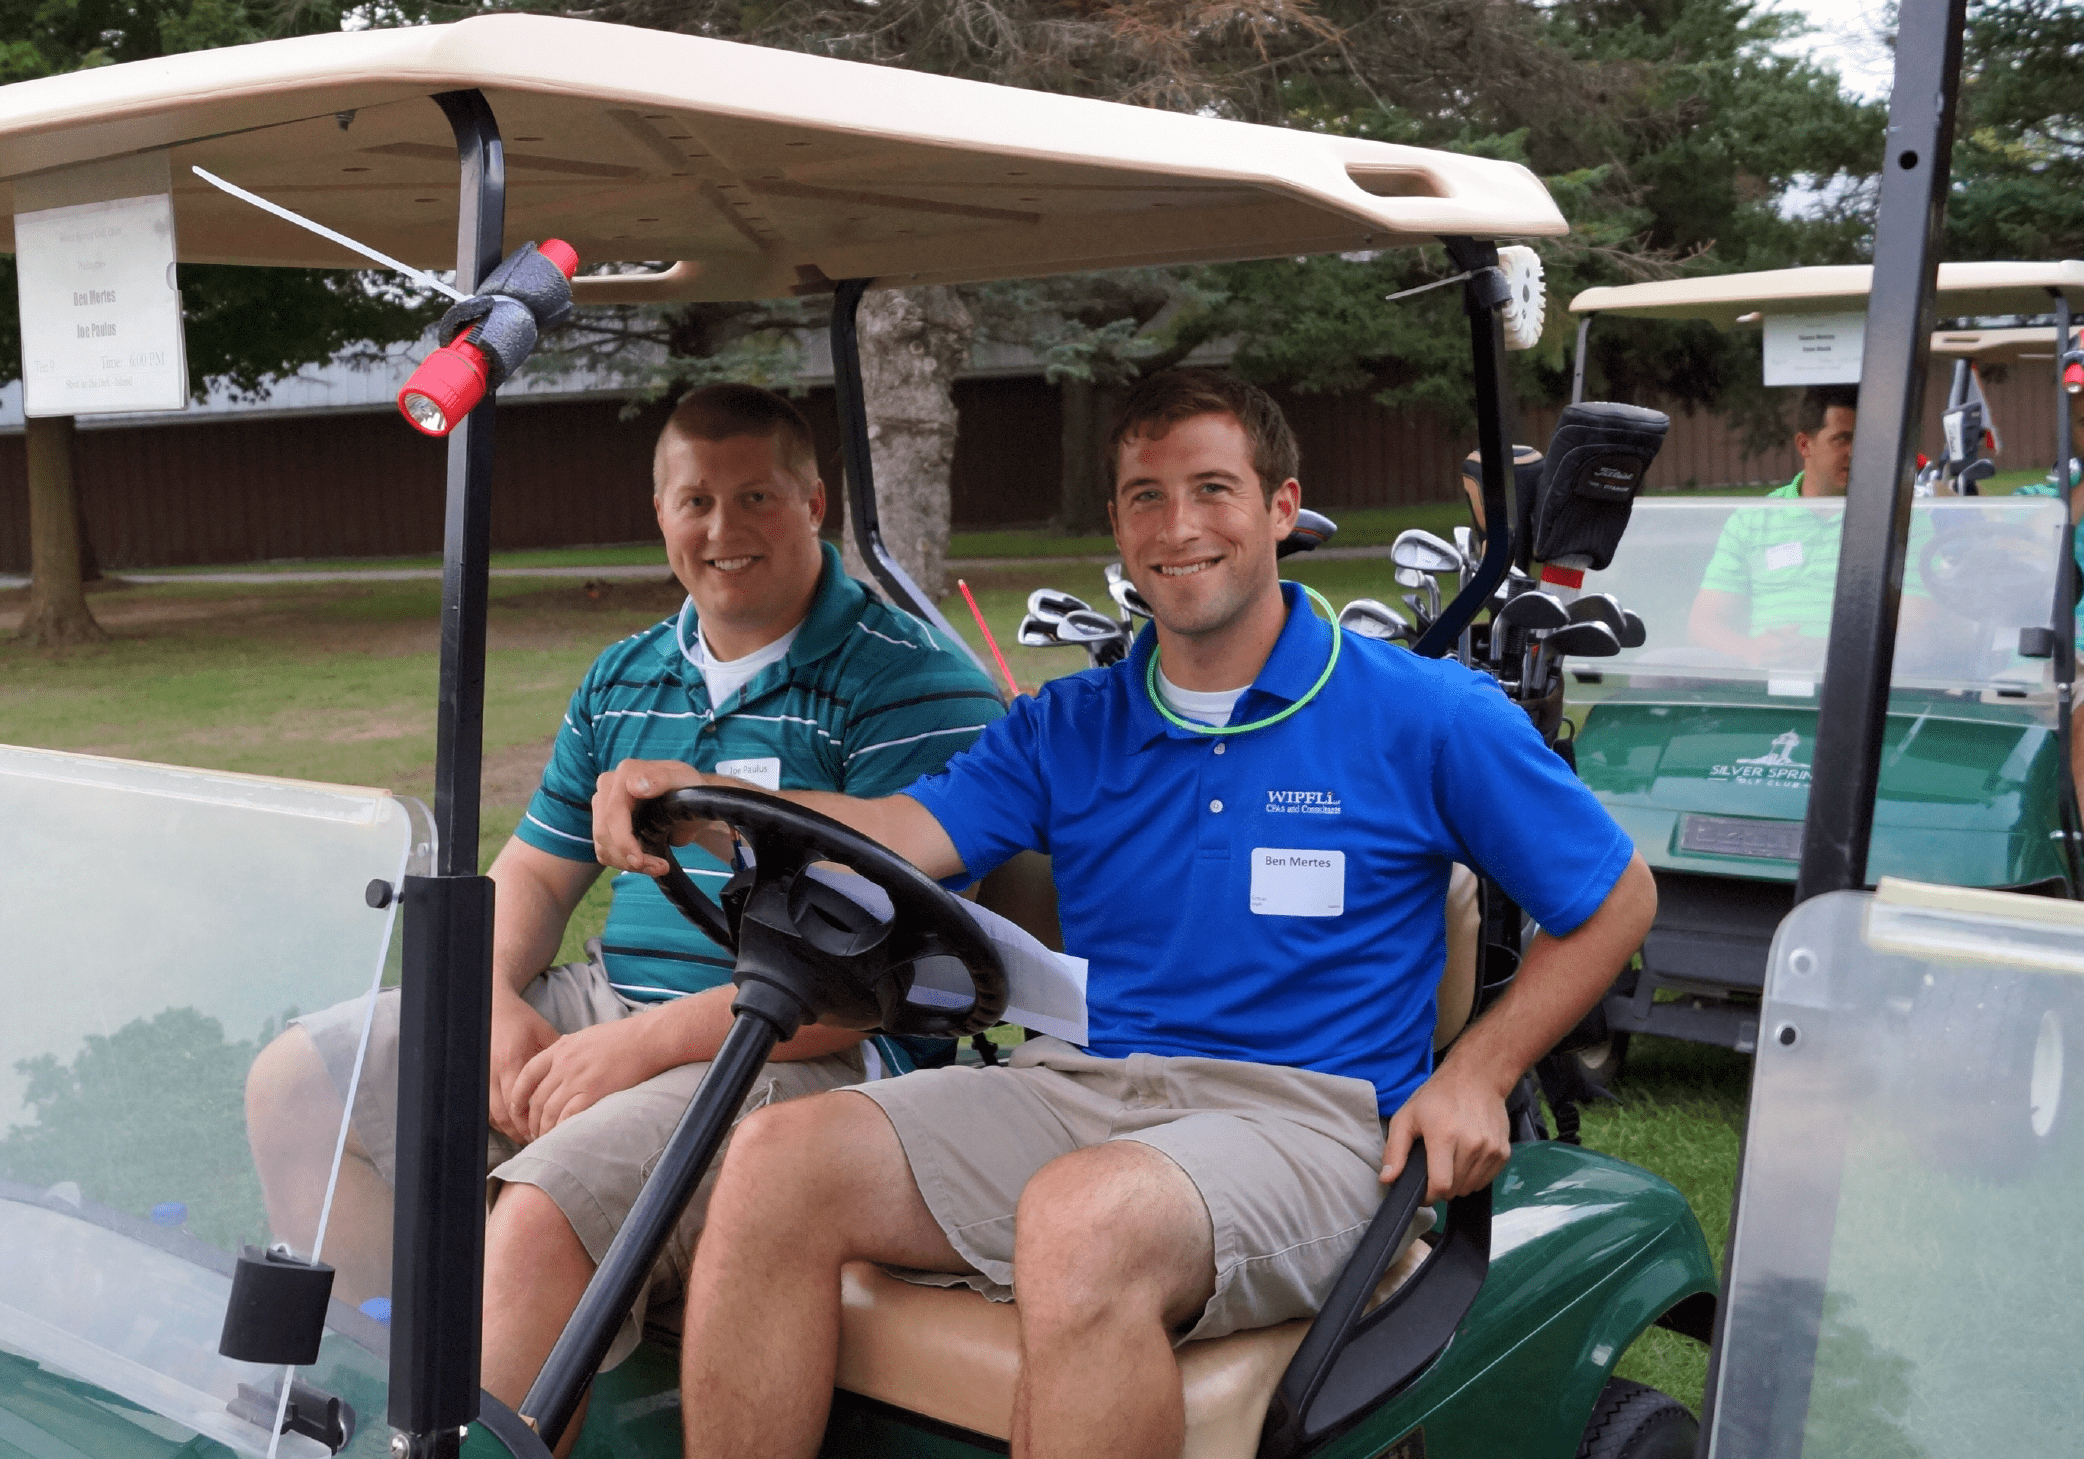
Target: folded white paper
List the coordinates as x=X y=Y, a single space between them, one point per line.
x=1045 y=990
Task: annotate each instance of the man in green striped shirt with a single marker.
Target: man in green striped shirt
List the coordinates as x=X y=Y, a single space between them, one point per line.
x=779 y=670
x=1766 y=596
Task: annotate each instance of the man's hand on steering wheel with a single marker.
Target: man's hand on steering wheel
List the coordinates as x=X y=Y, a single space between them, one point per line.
x=615 y=799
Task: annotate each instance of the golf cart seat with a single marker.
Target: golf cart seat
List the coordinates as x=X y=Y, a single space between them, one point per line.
x=1022 y=892
x=951 y=1354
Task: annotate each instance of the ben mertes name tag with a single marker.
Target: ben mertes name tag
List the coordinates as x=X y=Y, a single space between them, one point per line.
x=1298 y=883
x=765 y=772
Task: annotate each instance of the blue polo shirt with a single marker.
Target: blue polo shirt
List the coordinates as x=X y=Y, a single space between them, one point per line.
x=1277 y=896
x=866 y=701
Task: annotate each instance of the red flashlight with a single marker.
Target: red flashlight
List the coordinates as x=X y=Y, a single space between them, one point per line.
x=450 y=382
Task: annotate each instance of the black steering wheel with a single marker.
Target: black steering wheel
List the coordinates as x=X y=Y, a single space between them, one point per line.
x=1984 y=571
x=924 y=968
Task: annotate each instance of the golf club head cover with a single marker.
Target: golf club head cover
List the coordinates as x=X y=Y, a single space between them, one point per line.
x=1526 y=479
x=526 y=294
x=1595 y=467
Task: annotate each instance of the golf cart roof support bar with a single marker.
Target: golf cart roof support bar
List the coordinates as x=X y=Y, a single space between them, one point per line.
x=1916 y=163
x=1577 y=363
x=1854 y=700
x=2066 y=610
x=863 y=519
x=438 y=1225
x=1482 y=294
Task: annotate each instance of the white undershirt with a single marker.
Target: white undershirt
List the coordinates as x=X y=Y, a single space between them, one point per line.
x=1203 y=707
x=725 y=677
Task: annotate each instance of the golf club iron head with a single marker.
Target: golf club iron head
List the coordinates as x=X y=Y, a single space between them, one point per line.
x=1127 y=598
x=1597 y=608
x=1052 y=604
x=1035 y=632
x=1417 y=548
x=1633 y=634
x=1084 y=626
x=1590 y=639
x=1530 y=611
x=1465 y=543
x=1372 y=619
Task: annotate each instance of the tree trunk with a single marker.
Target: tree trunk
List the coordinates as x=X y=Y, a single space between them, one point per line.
x=1088 y=411
x=90 y=561
x=57 y=605
x=913 y=341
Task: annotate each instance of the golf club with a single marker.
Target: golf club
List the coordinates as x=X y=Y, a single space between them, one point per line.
x=1372 y=619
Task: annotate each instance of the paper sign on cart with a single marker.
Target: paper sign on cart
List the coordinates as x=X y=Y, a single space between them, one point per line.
x=1045 y=990
x=101 y=316
x=1815 y=349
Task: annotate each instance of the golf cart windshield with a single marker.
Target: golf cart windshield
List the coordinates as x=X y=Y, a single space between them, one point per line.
x=164 y=924
x=1903 y=1269
x=1736 y=596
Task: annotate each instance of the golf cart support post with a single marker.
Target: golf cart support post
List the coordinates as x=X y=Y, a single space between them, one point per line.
x=445 y=1016
x=1916 y=164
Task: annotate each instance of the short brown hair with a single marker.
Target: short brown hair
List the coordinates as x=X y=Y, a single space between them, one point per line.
x=1817 y=403
x=719 y=412
x=1161 y=402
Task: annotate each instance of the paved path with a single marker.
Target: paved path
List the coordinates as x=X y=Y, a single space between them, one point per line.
x=640 y=572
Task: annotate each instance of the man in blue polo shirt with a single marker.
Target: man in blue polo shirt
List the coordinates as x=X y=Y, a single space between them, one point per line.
x=1253 y=820
x=779 y=670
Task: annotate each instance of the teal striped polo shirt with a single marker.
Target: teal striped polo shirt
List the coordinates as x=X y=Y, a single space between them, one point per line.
x=867 y=700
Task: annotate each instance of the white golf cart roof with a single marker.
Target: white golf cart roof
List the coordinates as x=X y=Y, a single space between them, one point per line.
x=1727 y=300
x=1996 y=346
x=766 y=170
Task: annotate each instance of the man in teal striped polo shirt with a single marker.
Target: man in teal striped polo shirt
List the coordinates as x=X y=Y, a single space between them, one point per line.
x=780 y=670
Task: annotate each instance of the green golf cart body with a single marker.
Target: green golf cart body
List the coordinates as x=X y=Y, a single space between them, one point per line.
x=766 y=173
x=1704 y=759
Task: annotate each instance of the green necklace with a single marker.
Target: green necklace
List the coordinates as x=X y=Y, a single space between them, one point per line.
x=1150 y=684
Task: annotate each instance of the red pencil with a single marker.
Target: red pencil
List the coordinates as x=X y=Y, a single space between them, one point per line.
x=990 y=642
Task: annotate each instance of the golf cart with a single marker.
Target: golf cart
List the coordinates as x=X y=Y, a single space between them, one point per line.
x=131 y=1319
x=1704 y=751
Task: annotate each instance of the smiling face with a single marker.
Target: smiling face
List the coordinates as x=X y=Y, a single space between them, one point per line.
x=1195 y=528
x=742 y=535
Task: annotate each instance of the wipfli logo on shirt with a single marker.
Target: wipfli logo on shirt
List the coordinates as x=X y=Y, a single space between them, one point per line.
x=1303 y=803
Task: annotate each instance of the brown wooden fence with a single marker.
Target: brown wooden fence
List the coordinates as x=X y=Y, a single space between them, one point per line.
x=265 y=487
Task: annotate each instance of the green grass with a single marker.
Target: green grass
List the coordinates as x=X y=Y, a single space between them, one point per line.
x=336 y=682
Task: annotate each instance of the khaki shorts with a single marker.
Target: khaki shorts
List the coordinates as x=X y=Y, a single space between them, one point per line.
x=594 y=1163
x=1286 y=1160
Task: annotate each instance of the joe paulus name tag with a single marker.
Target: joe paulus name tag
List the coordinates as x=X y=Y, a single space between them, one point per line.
x=1298 y=883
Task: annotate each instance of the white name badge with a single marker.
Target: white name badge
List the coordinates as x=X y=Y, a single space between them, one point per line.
x=765 y=772
x=1298 y=883
x=1783 y=554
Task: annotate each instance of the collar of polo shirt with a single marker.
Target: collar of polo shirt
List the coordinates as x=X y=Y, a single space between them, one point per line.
x=1290 y=670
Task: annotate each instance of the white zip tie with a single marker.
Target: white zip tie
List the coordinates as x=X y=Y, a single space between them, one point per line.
x=425 y=281
x=1402 y=293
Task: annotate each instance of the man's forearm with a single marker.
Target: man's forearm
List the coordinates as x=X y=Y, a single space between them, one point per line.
x=897 y=822
x=1557 y=984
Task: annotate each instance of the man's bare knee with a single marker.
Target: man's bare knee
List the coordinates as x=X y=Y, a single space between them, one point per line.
x=1112 y=1231
x=289 y=1093
x=526 y=1224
